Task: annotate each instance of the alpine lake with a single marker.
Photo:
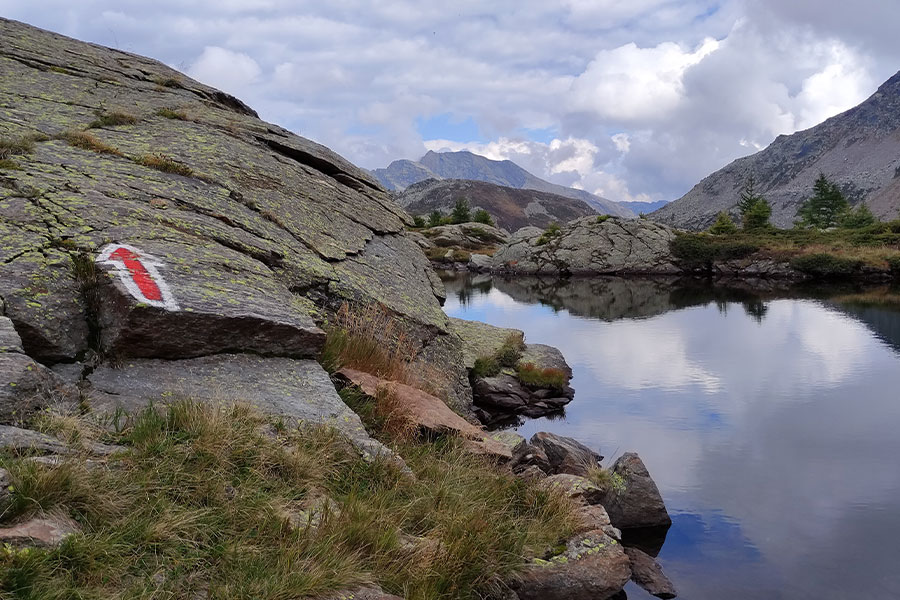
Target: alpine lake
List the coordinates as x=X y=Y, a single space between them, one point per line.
x=768 y=414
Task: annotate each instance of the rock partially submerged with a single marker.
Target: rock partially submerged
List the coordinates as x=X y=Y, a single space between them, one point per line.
x=647 y=573
x=637 y=503
x=566 y=455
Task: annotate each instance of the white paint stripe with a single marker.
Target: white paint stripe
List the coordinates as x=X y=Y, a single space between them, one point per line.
x=150 y=263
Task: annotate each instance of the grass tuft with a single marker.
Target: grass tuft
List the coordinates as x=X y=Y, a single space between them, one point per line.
x=168 y=82
x=201 y=504
x=111 y=119
x=164 y=163
x=168 y=113
x=16 y=146
x=552 y=231
x=9 y=165
x=507 y=356
x=86 y=141
x=533 y=376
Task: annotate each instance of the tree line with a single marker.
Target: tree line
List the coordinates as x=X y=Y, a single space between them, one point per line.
x=461 y=213
x=826 y=208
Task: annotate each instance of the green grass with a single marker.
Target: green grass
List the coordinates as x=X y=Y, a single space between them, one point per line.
x=111 y=119
x=164 y=163
x=200 y=504
x=168 y=82
x=168 y=113
x=9 y=165
x=553 y=231
x=507 y=356
x=826 y=265
x=529 y=374
x=602 y=218
x=18 y=146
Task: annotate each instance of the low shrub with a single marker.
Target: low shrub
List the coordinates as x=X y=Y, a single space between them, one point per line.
x=699 y=250
x=825 y=265
x=894 y=264
x=602 y=218
x=486 y=366
x=163 y=163
x=553 y=231
x=529 y=374
x=169 y=113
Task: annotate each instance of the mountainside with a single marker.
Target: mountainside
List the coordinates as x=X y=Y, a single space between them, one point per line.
x=644 y=207
x=511 y=208
x=858 y=149
x=466 y=165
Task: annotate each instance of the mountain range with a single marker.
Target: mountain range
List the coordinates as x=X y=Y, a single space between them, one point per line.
x=400 y=174
x=510 y=208
x=859 y=150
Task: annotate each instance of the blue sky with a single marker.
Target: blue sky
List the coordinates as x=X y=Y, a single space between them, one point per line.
x=632 y=100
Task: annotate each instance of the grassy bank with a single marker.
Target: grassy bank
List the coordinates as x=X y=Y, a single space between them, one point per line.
x=209 y=502
x=835 y=252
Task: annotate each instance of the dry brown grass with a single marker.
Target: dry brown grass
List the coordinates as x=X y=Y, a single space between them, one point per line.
x=164 y=163
x=86 y=141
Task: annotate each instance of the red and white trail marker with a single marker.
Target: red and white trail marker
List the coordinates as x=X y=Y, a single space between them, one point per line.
x=138 y=272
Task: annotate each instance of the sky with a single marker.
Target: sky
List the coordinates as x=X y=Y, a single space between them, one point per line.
x=634 y=100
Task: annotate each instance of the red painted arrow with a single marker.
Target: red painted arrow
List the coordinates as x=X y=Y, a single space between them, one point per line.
x=139 y=273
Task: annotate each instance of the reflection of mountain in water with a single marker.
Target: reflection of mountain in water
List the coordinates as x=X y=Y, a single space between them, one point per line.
x=611 y=298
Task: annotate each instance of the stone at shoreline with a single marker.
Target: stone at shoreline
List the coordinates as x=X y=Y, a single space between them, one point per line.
x=590 y=246
x=526 y=455
x=593 y=517
x=46 y=532
x=480 y=263
x=426 y=413
x=25 y=385
x=481 y=339
x=647 y=573
x=545 y=357
x=577 y=488
x=566 y=455
x=637 y=503
x=298 y=391
x=593 y=567
x=469 y=236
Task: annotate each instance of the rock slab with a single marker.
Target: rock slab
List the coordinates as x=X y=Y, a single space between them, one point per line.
x=647 y=573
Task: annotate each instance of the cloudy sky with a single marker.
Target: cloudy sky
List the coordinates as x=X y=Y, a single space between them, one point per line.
x=633 y=100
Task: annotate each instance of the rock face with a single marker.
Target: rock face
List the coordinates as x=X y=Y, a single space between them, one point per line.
x=470 y=236
x=590 y=246
x=565 y=454
x=465 y=165
x=858 y=149
x=593 y=567
x=510 y=208
x=637 y=503
x=152 y=222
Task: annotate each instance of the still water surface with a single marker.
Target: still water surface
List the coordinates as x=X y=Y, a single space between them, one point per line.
x=770 y=421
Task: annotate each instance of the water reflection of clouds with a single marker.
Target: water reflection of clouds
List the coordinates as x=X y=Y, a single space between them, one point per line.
x=777 y=436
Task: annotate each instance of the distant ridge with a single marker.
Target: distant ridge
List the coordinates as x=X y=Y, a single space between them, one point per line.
x=465 y=165
x=858 y=149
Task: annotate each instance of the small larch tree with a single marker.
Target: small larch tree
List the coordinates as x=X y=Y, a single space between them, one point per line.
x=755 y=209
x=859 y=217
x=461 y=212
x=434 y=218
x=482 y=216
x=826 y=208
x=724 y=225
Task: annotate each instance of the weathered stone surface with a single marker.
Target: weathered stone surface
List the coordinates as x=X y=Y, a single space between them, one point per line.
x=480 y=339
x=259 y=237
x=299 y=391
x=481 y=262
x=9 y=339
x=46 y=531
x=363 y=593
x=575 y=487
x=638 y=502
x=18 y=440
x=593 y=517
x=543 y=356
x=4 y=484
x=525 y=455
x=647 y=573
x=510 y=439
x=425 y=412
x=588 y=246
x=504 y=395
x=566 y=455
x=470 y=236
x=593 y=567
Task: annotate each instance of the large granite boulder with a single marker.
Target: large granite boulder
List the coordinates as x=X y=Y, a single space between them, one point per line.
x=592 y=567
x=636 y=503
x=566 y=455
x=470 y=236
x=590 y=245
x=144 y=215
x=25 y=385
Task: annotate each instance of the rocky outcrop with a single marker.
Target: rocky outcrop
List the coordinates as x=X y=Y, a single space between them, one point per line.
x=150 y=222
x=469 y=236
x=636 y=503
x=502 y=395
x=510 y=208
x=857 y=149
x=46 y=531
x=589 y=246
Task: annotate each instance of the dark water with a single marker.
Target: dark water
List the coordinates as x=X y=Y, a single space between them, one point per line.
x=770 y=419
